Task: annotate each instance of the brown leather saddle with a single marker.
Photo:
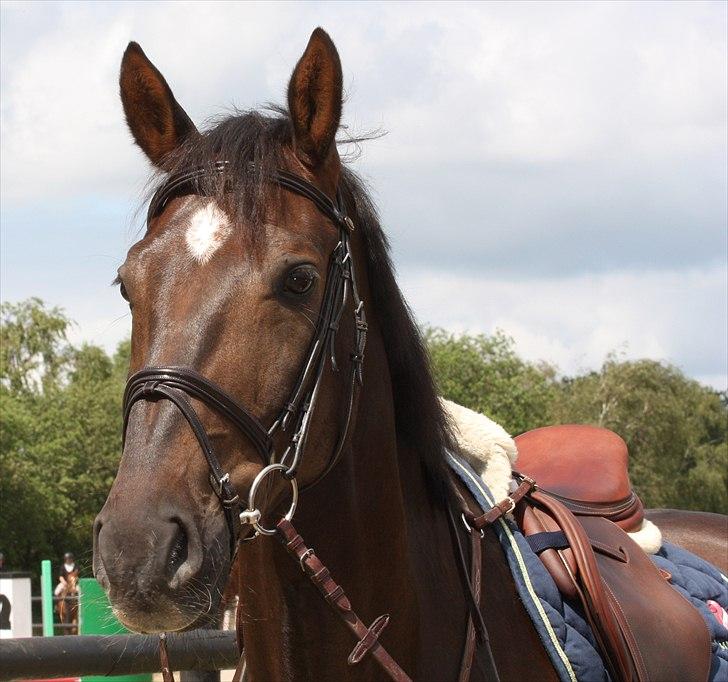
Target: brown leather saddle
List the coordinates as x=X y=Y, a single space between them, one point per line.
x=575 y=519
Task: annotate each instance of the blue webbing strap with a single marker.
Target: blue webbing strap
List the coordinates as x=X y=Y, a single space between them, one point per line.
x=547 y=540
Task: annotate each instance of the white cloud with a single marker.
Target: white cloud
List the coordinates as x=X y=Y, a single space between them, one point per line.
x=555 y=169
x=533 y=83
x=575 y=322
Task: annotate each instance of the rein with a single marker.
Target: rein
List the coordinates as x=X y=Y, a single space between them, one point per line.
x=179 y=384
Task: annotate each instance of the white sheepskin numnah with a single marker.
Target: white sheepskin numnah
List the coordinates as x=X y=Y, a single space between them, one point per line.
x=492 y=453
x=209 y=227
x=649 y=537
x=485 y=445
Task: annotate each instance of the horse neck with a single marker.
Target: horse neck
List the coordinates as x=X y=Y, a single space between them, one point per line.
x=372 y=523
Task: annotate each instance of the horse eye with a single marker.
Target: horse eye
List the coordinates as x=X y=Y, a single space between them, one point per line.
x=300 y=280
x=122 y=291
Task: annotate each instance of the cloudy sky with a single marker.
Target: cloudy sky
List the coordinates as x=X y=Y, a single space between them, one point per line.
x=557 y=171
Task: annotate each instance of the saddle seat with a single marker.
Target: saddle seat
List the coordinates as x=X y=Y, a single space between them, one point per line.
x=585 y=467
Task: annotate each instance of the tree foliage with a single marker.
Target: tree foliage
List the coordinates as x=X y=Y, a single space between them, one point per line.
x=675 y=428
x=60 y=428
x=485 y=374
x=60 y=423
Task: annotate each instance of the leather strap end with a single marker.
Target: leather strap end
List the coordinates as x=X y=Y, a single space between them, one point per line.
x=503 y=507
x=167 y=675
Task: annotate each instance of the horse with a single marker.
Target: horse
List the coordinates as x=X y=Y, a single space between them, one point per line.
x=261 y=278
x=702 y=533
x=67 y=605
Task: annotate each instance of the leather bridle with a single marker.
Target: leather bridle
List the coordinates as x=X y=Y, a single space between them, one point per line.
x=179 y=384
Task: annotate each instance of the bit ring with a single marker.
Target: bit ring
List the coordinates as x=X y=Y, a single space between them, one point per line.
x=250 y=515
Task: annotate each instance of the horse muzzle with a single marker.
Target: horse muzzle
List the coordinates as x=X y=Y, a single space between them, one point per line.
x=155 y=571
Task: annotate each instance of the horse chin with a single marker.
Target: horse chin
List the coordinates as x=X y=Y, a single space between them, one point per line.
x=164 y=610
x=165 y=615
x=173 y=620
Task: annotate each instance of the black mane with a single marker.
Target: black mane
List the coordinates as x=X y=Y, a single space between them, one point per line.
x=253 y=143
x=420 y=419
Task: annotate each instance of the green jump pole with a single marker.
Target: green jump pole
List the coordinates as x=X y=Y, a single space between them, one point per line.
x=46 y=592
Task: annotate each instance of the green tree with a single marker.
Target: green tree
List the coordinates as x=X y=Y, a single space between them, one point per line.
x=485 y=374
x=60 y=423
x=60 y=434
x=32 y=346
x=676 y=429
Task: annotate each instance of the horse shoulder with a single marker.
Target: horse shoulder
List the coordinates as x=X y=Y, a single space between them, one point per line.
x=517 y=648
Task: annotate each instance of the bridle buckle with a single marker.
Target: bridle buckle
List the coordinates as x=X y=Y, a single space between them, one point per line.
x=221 y=484
x=309 y=552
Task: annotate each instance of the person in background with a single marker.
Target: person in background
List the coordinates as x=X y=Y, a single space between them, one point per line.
x=69 y=566
x=2 y=561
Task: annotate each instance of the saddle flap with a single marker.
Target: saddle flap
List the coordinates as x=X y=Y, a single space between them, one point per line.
x=636 y=616
x=585 y=467
x=653 y=616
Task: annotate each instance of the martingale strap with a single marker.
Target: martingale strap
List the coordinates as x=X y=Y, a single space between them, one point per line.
x=368 y=637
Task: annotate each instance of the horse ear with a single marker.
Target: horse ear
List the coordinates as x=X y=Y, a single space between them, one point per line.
x=156 y=120
x=315 y=99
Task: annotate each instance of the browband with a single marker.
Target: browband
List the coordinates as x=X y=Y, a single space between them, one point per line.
x=187 y=183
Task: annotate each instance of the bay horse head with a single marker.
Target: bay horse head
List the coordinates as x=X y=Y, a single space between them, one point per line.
x=261 y=275
x=236 y=290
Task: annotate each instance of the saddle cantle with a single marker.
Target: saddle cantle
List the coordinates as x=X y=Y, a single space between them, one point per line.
x=585 y=467
x=575 y=520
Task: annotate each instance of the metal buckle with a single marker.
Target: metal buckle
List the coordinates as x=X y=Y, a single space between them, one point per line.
x=527 y=479
x=223 y=480
x=309 y=552
x=470 y=528
x=511 y=507
x=252 y=514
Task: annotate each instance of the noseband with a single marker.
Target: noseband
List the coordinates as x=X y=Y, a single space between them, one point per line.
x=179 y=384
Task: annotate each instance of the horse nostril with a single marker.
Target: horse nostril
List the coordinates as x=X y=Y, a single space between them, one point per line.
x=98 y=560
x=183 y=560
x=178 y=552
